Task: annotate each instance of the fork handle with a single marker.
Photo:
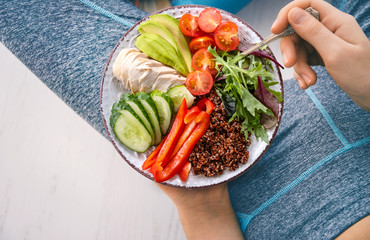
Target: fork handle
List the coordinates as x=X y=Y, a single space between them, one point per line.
x=288 y=31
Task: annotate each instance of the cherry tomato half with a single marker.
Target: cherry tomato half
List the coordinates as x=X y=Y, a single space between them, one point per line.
x=203 y=60
x=199 y=82
x=201 y=42
x=189 y=26
x=226 y=36
x=209 y=19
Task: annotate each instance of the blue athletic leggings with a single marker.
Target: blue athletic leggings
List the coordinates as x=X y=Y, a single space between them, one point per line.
x=313 y=182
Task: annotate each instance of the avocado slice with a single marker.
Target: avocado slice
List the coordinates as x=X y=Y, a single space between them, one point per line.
x=154 y=27
x=159 y=49
x=173 y=26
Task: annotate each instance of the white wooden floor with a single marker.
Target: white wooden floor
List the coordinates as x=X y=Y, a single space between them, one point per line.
x=60 y=179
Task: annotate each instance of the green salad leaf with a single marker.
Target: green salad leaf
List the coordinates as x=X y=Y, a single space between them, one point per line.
x=241 y=74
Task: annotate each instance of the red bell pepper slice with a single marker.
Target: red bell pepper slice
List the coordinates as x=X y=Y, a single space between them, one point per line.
x=173 y=135
x=205 y=105
x=188 y=129
x=153 y=156
x=180 y=159
x=184 y=172
x=191 y=114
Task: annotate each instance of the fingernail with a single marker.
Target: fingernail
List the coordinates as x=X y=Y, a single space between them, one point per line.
x=306 y=79
x=285 y=60
x=273 y=25
x=298 y=15
x=300 y=83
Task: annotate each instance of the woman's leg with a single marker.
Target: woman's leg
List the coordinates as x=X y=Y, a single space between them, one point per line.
x=66 y=44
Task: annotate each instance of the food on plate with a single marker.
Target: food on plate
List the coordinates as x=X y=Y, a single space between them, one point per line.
x=179 y=161
x=209 y=19
x=173 y=136
x=159 y=49
x=178 y=93
x=172 y=25
x=207 y=30
x=137 y=106
x=189 y=26
x=226 y=36
x=184 y=172
x=140 y=73
x=199 y=82
x=153 y=112
x=204 y=121
x=129 y=127
x=151 y=26
x=151 y=109
x=162 y=40
x=203 y=60
x=240 y=84
x=223 y=146
x=171 y=156
x=136 y=116
x=201 y=42
x=191 y=114
x=165 y=107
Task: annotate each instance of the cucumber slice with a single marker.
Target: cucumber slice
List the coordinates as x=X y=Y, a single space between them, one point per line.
x=178 y=93
x=139 y=109
x=152 y=111
x=165 y=107
x=128 y=128
x=131 y=132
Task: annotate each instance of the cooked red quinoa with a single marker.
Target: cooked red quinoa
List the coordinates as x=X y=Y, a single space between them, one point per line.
x=223 y=146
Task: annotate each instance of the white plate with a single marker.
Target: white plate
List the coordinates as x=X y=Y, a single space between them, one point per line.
x=112 y=90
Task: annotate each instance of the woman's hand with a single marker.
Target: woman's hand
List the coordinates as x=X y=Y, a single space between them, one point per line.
x=205 y=213
x=336 y=41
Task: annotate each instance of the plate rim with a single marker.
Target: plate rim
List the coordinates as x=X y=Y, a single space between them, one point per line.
x=141 y=171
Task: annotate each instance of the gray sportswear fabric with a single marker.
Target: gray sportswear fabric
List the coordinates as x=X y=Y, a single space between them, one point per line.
x=66 y=44
x=313 y=182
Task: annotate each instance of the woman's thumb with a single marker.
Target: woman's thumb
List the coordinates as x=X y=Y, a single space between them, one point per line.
x=311 y=30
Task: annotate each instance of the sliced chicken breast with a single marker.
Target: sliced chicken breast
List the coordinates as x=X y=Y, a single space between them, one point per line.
x=140 y=73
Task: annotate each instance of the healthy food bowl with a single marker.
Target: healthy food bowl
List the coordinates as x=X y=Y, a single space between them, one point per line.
x=112 y=90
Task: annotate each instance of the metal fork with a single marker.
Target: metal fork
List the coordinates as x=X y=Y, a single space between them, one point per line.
x=286 y=32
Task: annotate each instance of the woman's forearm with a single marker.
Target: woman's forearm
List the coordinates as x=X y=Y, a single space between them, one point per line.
x=216 y=220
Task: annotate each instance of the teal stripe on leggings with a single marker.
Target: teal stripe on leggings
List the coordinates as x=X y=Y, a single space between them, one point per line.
x=327 y=117
x=107 y=13
x=244 y=219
